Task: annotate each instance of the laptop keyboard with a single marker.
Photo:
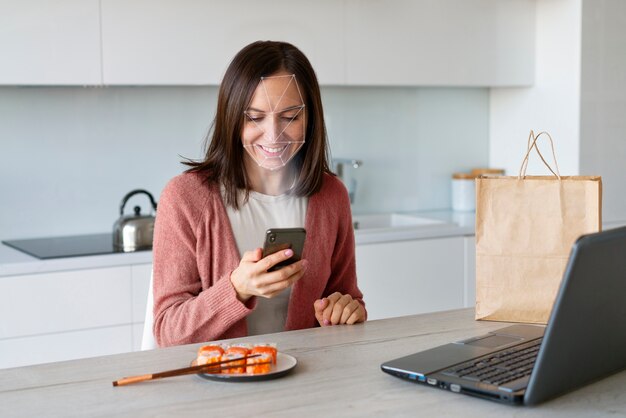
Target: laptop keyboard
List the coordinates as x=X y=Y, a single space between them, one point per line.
x=500 y=367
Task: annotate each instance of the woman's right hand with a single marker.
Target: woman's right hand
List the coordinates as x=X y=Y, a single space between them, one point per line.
x=252 y=278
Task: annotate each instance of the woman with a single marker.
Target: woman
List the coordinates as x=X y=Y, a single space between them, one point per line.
x=265 y=167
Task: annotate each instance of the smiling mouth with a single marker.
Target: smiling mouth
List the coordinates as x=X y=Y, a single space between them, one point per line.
x=273 y=151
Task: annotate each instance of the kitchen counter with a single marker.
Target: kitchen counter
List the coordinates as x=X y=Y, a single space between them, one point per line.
x=451 y=224
x=14 y=262
x=338 y=374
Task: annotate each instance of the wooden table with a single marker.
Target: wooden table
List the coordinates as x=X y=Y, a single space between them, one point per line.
x=338 y=374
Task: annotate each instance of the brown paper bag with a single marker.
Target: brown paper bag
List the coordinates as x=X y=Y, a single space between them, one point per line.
x=525 y=228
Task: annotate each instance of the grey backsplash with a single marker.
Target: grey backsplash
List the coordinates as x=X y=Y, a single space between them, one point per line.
x=69 y=154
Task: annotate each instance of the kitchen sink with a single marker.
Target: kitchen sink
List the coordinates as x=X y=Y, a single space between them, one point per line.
x=392 y=221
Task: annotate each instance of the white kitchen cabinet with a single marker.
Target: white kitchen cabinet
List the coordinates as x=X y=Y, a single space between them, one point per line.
x=141 y=280
x=192 y=42
x=64 y=301
x=137 y=336
x=409 y=277
x=50 y=42
x=15 y=352
x=72 y=314
x=469 y=295
x=440 y=43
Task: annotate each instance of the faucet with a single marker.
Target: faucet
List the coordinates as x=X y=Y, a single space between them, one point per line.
x=349 y=181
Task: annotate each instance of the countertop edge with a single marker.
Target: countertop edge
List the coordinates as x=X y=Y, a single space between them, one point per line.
x=32 y=265
x=16 y=263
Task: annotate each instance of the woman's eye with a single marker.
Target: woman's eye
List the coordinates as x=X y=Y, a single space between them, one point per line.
x=255 y=118
x=292 y=117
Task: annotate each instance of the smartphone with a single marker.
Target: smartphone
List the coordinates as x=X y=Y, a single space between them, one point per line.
x=277 y=239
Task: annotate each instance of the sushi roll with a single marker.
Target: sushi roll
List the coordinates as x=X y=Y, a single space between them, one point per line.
x=209 y=354
x=212 y=348
x=240 y=350
x=242 y=346
x=259 y=365
x=266 y=348
x=237 y=366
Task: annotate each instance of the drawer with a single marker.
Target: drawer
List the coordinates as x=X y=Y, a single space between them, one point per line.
x=23 y=351
x=411 y=277
x=137 y=336
x=141 y=280
x=63 y=301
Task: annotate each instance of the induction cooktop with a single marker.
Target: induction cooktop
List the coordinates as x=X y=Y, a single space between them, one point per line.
x=67 y=246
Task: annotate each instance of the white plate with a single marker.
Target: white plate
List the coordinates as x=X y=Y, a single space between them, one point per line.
x=285 y=364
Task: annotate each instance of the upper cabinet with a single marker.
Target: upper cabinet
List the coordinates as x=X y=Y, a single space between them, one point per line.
x=440 y=43
x=46 y=42
x=191 y=42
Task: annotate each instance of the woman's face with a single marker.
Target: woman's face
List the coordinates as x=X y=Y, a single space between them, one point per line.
x=275 y=122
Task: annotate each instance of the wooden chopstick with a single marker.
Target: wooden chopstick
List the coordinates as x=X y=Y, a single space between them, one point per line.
x=185 y=370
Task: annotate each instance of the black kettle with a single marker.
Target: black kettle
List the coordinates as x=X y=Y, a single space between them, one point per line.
x=134 y=232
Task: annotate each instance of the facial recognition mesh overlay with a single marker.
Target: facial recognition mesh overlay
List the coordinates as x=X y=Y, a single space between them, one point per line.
x=275 y=124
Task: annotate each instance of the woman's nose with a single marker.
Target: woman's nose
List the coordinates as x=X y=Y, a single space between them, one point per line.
x=272 y=128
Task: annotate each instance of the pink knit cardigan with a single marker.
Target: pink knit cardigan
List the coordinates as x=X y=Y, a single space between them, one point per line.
x=194 y=253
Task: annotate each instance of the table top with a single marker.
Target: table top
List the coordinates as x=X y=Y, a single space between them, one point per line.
x=338 y=374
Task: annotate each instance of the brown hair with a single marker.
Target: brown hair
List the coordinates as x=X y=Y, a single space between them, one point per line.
x=223 y=162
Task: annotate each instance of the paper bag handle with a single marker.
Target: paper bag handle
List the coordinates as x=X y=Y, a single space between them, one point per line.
x=522 y=170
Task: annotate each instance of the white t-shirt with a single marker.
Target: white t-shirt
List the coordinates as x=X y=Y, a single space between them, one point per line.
x=249 y=224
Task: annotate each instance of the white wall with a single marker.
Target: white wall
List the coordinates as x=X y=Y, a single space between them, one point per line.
x=603 y=101
x=411 y=140
x=552 y=104
x=68 y=155
x=579 y=97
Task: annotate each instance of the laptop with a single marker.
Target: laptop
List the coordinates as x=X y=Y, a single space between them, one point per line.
x=584 y=341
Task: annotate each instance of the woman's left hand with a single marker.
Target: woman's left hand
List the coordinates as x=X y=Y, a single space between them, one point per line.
x=338 y=309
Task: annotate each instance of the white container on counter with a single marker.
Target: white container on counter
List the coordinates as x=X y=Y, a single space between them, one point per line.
x=463 y=192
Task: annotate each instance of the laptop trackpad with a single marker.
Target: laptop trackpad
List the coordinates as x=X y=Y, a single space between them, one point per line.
x=491 y=341
x=437 y=358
